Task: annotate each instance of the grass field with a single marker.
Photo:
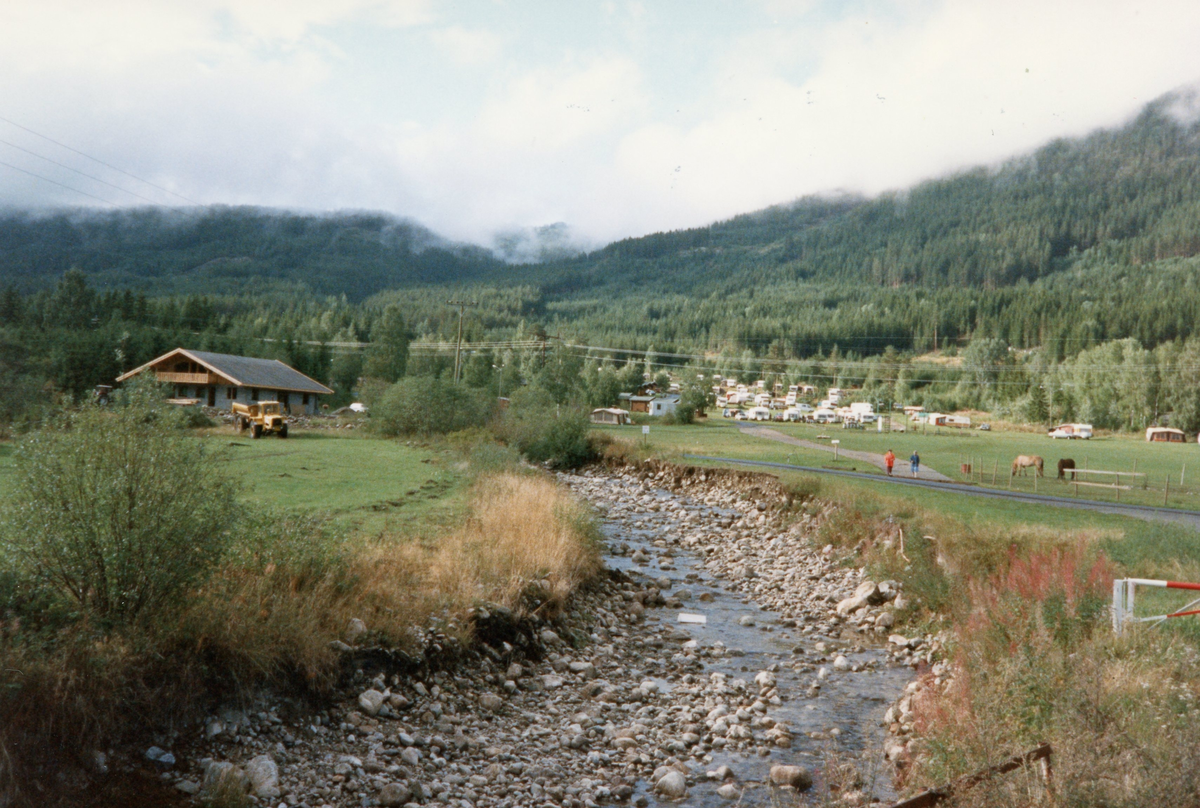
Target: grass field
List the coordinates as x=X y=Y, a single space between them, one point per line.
x=372 y=484
x=989 y=453
x=366 y=484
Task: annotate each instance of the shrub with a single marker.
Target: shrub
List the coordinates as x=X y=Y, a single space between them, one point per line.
x=545 y=432
x=427 y=406
x=115 y=511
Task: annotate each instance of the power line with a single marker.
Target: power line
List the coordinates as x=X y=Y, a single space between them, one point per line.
x=97 y=160
x=55 y=182
x=83 y=174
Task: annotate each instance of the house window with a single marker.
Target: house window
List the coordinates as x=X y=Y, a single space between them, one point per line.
x=254 y=394
x=283 y=398
x=304 y=400
x=231 y=393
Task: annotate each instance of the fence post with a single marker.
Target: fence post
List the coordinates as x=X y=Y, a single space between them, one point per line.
x=995 y=463
x=1167 y=490
x=1182 y=469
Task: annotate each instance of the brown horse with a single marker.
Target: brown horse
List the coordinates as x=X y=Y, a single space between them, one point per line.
x=1025 y=461
x=1065 y=465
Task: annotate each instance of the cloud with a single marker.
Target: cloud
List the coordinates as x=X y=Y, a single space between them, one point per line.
x=466 y=46
x=618 y=121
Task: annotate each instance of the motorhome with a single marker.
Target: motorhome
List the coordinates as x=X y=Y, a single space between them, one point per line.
x=836 y=394
x=824 y=415
x=797 y=413
x=758 y=414
x=1072 y=431
x=762 y=399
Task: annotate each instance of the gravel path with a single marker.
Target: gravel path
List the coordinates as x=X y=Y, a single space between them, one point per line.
x=901 y=468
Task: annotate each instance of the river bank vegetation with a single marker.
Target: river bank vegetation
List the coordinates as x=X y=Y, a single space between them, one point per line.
x=128 y=604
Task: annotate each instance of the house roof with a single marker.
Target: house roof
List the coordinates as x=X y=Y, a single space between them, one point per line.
x=244 y=371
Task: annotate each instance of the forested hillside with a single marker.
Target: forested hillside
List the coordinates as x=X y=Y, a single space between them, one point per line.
x=223 y=250
x=1080 y=242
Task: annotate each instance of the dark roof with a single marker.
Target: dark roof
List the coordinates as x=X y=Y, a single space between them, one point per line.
x=246 y=371
x=251 y=372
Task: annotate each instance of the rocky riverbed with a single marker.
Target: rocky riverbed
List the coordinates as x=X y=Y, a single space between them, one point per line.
x=723 y=657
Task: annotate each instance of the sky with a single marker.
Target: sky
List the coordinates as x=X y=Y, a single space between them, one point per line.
x=615 y=118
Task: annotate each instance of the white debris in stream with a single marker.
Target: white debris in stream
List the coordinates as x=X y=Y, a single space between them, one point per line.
x=623 y=706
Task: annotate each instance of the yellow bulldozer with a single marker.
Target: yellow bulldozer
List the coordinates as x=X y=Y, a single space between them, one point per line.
x=260 y=417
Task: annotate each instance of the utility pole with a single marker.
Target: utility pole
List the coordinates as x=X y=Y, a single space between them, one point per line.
x=462 y=304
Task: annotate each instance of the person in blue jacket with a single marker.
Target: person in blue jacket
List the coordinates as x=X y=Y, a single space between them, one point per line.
x=915 y=462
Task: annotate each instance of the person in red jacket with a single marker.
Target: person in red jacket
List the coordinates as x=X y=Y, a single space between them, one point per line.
x=889 y=460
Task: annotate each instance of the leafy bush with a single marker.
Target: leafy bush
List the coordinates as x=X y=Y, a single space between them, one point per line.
x=115 y=511
x=428 y=406
x=545 y=432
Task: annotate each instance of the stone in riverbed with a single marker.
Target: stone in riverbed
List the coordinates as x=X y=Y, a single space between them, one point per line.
x=797 y=777
x=729 y=792
x=394 y=794
x=491 y=702
x=369 y=701
x=765 y=680
x=672 y=785
x=264 y=777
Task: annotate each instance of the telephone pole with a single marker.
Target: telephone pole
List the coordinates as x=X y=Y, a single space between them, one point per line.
x=462 y=304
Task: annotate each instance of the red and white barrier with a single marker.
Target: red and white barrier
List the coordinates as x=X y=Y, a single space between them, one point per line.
x=1122 y=608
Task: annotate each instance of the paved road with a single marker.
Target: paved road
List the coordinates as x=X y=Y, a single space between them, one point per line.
x=1149 y=513
x=876 y=460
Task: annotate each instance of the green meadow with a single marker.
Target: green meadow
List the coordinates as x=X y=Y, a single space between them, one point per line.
x=365 y=483
x=1172 y=469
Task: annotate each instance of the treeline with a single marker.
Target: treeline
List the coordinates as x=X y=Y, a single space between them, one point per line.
x=64 y=341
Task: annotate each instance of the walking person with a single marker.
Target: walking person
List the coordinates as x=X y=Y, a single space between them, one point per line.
x=915 y=461
x=889 y=460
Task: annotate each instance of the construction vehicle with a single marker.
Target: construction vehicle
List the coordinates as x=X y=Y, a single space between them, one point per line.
x=260 y=417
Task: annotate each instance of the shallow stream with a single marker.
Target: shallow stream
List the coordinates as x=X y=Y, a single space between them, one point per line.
x=843 y=722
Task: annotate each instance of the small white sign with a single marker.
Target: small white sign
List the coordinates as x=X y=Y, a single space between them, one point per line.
x=645 y=430
x=684 y=617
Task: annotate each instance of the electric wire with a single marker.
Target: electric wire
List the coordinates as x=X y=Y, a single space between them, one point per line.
x=84 y=174
x=56 y=182
x=97 y=160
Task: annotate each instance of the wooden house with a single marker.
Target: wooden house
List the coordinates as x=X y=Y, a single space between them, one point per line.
x=218 y=380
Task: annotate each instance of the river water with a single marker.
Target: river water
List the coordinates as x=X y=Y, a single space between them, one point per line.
x=843 y=722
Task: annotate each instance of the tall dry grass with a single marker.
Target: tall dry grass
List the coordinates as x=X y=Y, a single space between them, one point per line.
x=269 y=614
x=526 y=543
